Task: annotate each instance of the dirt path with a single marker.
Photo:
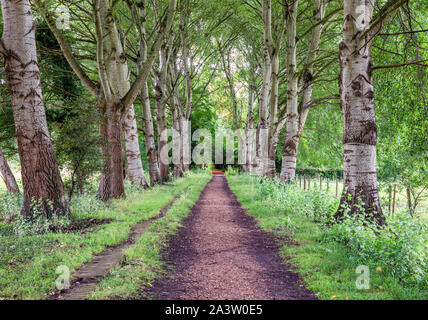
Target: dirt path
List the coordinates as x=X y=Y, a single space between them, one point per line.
x=220 y=253
x=91 y=273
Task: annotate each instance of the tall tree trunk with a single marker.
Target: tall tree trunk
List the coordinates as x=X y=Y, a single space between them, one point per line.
x=177 y=148
x=358 y=113
x=236 y=118
x=133 y=154
x=121 y=85
x=187 y=68
x=262 y=135
x=41 y=179
x=288 y=170
x=112 y=70
x=149 y=131
x=273 y=132
x=249 y=145
x=178 y=120
x=149 y=135
x=116 y=160
x=161 y=115
x=307 y=84
x=104 y=187
x=7 y=175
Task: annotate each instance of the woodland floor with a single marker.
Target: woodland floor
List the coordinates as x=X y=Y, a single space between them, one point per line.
x=221 y=253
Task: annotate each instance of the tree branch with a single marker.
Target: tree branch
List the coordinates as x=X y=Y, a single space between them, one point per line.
x=420 y=62
x=130 y=96
x=66 y=49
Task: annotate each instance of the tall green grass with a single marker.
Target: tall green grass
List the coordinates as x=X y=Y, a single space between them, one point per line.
x=327 y=257
x=28 y=262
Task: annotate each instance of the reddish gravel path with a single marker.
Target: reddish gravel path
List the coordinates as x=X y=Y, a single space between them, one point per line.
x=220 y=253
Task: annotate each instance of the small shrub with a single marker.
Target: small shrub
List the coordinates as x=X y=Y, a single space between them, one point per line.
x=400 y=247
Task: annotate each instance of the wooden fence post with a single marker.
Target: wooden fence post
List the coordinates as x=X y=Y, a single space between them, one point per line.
x=304 y=182
x=320 y=182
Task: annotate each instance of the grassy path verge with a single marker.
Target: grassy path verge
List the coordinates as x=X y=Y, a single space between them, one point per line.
x=327 y=267
x=143 y=261
x=28 y=263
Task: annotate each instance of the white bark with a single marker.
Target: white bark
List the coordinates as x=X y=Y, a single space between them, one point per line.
x=289 y=164
x=161 y=96
x=242 y=145
x=264 y=120
x=358 y=112
x=187 y=68
x=7 y=175
x=149 y=135
x=248 y=128
x=149 y=132
x=288 y=169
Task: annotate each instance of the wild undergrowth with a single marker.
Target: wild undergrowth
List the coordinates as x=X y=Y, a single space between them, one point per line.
x=329 y=254
x=28 y=262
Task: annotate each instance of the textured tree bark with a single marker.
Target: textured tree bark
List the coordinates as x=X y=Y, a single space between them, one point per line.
x=288 y=169
x=133 y=154
x=41 y=179
x=149 y=135
x=161 y=97
x=116 y=161
x=307 y=86
x=358 y=113
x=236 y=118
x=112 y=71
x=273 y=133
x=177 y=147
x=187 y=68
x=264 y=122
x=107 y=40
x=149 y=131
x=7 y=175
x=104 y=187
x=129 y=123
x=248 y=128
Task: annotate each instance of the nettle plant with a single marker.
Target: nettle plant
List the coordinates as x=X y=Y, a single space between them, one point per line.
x=288 y=197
x=400 y=246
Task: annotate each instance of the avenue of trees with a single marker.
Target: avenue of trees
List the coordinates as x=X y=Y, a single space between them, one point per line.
x=89 y=89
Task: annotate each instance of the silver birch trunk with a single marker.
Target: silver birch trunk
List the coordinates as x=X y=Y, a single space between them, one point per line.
x=185 y=116
x=241 y=144
x=149 y=131
x=41 y=179
x=263 y=125
x=358 y=113
x=288 y=169
x=273 y=132
x=249 y=152
x=120 y=83
x=307 y=84
x=161 y=96
x=149 y=136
